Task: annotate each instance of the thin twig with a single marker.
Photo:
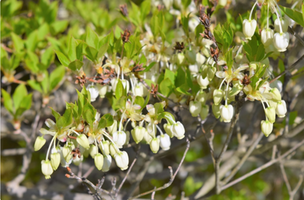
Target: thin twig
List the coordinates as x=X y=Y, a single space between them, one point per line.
x=125 y=178
x=285 y=178
x=271 y=162
x=171 y=174
x=240 y=164
x=224 y=148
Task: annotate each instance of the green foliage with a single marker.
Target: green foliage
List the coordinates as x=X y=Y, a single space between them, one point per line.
x=297 y=16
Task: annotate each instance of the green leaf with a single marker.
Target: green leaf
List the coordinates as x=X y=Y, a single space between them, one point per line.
x=56 y=76
x=140 y=101
x=35 y=85
x=170 y=75
x=89 y=113
x=32 y=41
x=31 y=61
x=79 y=51
x=147 y=69
x=63 y=59
x=72 y=49
x=65 y=120
x=145 y=9
x=229 y=58
x=55 y=114
x=42 y=31
x=134 y=14
x=109 y=119
x=260 y=53
x=47 y=57
x=45 y=83
x=294 y=14
x=186 y=3
x=75 y=65
x=18 y=42
x=103 y=48
x=119 y=90
x=7 y=101
x=91 y=53
x=19 y=95
x=25 y=104
x=92 y=38
x=102 y=123
x=185 y=23
x=166 y=87
x=58 y=26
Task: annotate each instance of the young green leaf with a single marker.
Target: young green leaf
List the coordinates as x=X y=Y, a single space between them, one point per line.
x=56 y=76
x=7 y=101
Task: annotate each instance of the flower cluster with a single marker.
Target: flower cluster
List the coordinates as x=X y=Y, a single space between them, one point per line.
x=280 y=39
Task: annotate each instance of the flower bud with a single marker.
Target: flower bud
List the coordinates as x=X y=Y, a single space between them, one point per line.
x=216 y=111
x=119 y=137
x=164 y=141
x=281 y=108
x=39 y=142
x=201 y=96
x=67 y=153
x=154 y=145
x=249 y=27
x=204 y=112
x=83 y=141
x=122 y=160
x=102 y=90
x=281 y=41
x=266 y=127
x=191 y=57
x=55 y=160
x=195 y=108
x=203 y=82
x=138 y=133
x=178 y=130
x=98 y=160
x=140 y=90
x=226 y=112
x=104 y=147
x=270 y=114
x=112 y=150
x=126 y=85
x=180 y=58
x=218 y=96
x=211 y=72
x=107 y=160
x=200 y=59
x=113 y=127
x=275 y=94
x=267 y=36
x=46 y=168
x=93 y=150
x=167 y=128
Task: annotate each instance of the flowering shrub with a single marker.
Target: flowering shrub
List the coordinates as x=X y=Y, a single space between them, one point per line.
x=151 y=63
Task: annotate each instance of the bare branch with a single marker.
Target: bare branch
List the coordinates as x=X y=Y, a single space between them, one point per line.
x=171 y=174
x=271 y=162
x=125 y=178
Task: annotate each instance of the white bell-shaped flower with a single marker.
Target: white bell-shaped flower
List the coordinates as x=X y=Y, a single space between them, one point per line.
x=178 y=130
x=138 y=133
x=39 y=142
x=164 y=141
x=226 y=112
x=122 y=160
x=83 y=141
x=120 y=138
x=93 y=91
x=281 y=108
x=267 y=36
x=249 y=27
x=270 y=113
x=203 y=82
x=46 y=168
x=140 y=90
x=107 y=160
x=281 y=41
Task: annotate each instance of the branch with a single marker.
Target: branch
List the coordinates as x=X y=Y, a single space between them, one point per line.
x=171 y=175
x=125 y=178
x=240 y=164
x=271 y=162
